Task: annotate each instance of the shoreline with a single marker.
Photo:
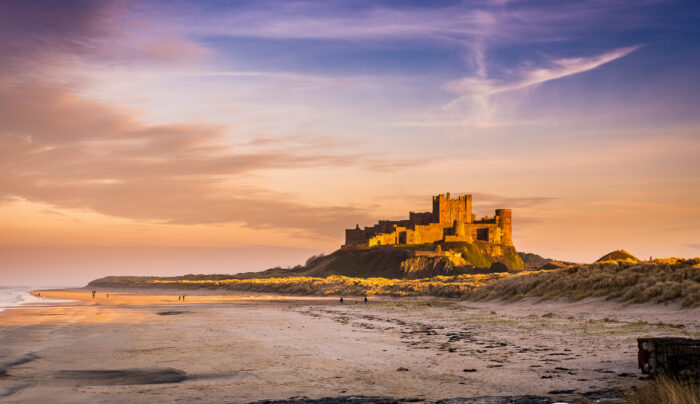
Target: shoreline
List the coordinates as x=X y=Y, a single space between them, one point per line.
x=598 y=304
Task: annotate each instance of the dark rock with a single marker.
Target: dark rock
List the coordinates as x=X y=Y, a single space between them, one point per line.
x=497 y=400
x=560 y=391
x=498 y=267
x=28 y=357
x=339 y=400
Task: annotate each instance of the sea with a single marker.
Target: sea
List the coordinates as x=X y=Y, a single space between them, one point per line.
x=14 y=297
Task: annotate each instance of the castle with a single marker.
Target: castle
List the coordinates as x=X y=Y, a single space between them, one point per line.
x=451 y=220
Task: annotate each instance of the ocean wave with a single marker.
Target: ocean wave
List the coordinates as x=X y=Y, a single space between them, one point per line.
x=12 y=297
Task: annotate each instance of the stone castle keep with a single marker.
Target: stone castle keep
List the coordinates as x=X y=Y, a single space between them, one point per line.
x=450 y=220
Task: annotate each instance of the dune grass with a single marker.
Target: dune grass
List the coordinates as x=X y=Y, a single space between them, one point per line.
x=664 y=390
x=658 y=281
x=440 y=286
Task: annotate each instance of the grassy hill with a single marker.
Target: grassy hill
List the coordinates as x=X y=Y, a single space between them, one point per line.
x=618 y=255
x=409 y=261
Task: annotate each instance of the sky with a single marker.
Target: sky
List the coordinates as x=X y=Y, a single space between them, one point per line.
x=174 y=137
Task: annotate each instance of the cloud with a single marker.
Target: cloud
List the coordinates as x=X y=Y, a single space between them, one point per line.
x=51 y=212
x=479 y=94
x=478 y=30
x=38 y=31
x=460 y=22
x=513 y=201
x=73 y=153
x=53 y=34
x=556 y=69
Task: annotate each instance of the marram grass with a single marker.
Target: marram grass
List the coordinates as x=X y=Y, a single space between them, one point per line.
x=657 y=281
x=664 y=390
x=442 y=286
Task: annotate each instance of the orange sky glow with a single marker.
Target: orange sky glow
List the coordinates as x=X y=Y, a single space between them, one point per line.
x=172 y=138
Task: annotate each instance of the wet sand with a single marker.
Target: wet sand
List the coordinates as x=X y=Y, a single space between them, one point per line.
x=150 y=347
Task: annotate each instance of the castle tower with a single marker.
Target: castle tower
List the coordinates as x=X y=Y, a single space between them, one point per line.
x=505 y=224
x=468 y=208
x=447 y=210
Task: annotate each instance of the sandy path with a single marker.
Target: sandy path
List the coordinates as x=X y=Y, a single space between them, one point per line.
x=246 y=348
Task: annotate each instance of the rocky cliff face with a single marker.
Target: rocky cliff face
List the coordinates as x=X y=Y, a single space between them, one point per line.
x=426 y=267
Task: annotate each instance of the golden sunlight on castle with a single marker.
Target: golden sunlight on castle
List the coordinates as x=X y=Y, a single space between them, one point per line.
x=451 y=220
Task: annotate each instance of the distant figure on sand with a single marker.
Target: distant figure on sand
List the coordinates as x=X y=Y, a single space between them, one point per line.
x=183 y=298
x=93 y=294
x=107 y=295
x=365 y=299
x=179 y=297
x=341 y=299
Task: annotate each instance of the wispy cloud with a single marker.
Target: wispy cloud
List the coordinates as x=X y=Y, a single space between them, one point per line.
x=477 y=92
x=553 y=70
x=460 y=22
x=502 y=201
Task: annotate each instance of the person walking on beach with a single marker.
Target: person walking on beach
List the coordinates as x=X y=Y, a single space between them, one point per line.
x=365 y=299
x=179 y=297
x=341 y=299
x=93 y=294
x=183 y=298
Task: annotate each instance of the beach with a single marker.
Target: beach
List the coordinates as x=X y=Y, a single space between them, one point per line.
x=150 y=346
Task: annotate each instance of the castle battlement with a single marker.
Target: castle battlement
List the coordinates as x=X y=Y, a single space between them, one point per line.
x=450 y=220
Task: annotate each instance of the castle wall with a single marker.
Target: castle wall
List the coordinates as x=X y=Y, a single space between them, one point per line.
x=484 y=232
x=420 y=218
x=429 y=233
x=383 y=239
x=355 y=236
